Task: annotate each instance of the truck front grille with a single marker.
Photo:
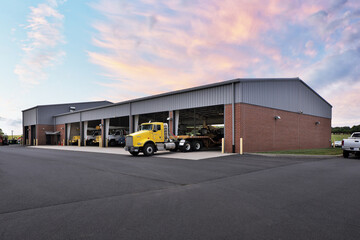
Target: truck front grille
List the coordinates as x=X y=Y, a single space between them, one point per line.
x=129 y=141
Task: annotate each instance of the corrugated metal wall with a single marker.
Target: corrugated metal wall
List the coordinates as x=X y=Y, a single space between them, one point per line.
x=291 y=96
x=46 y=113
x=194 y=99
x=288 y=95
x=275 y=94
x=70 y=118
x=30 y=117
x=108 y=112
x=312 y=104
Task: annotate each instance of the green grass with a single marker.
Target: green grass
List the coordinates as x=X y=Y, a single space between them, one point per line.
x=320 y=151
x=339 y=137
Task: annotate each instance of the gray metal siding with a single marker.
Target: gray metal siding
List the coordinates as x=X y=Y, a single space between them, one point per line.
x=312 y=104
x=273 y=94
x=75 y=117
x=30 y=117
x=238 y=92
x=291 y=96
x=108 y=112
x=288 y=95
x=199 y=98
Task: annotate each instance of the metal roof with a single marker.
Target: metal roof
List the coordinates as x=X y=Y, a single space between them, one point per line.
x=61 y=104
x=237 y=80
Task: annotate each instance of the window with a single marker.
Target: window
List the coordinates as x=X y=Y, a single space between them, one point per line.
x=157 y=127
x=147 y=127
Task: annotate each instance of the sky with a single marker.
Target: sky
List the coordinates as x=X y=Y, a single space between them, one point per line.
x=61 y=51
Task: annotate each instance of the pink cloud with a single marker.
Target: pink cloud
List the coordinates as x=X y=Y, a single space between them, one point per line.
x=179 y=44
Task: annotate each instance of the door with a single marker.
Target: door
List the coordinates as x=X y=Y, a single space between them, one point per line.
x=157 y=133
x=48 y=139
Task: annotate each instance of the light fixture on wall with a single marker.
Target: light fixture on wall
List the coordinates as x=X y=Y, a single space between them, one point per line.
x=277 y=117
x=317 y=123
x=169 y=118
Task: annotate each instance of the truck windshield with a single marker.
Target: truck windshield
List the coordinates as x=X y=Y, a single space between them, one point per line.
x=146 y=127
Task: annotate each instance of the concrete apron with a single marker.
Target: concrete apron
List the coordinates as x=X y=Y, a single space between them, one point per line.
x=164 y=154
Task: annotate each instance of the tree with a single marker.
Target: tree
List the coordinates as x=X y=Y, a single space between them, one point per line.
x=1 y=132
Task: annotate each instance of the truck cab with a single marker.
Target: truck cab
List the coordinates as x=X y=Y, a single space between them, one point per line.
x=351 y=145
x=151 y=138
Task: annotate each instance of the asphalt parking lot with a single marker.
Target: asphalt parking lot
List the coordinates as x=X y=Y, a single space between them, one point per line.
x=52 y=194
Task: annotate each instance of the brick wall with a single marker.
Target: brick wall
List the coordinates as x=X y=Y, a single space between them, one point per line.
x=40 y=133
x=228 y=128
x=171 y=122
x=261 y=132
x=61 y=128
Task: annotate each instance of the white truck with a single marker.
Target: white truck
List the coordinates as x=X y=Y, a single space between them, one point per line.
x=351 y=145
x=117 y=137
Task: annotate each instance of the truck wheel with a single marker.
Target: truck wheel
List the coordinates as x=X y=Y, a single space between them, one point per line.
x=134 y=153
x=186 y=147
x=148 y=149
x=197 y=146
x=345 y=154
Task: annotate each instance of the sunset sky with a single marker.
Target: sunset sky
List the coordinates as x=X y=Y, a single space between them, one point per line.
x=58 y=51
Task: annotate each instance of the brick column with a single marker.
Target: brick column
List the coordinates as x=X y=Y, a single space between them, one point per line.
x=30 y=135
x=171 y=122
x=228 y=127
x=61 y=128
x=101 y=143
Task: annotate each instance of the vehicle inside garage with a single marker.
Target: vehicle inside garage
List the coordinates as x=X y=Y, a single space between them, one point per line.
x=117 y=130
x=92 y=132
x=73 y=133
x=206 y=123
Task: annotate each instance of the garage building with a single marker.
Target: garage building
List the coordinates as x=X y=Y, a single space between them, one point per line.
x=268 y=114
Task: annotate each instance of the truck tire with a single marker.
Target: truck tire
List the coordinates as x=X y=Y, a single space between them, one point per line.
x=186 y=147
x=197 y=146
x=345 y=154
x=112 y=143
x=148 y=149
x=134 y=153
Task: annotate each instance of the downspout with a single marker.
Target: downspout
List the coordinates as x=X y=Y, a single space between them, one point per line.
x=233 y=116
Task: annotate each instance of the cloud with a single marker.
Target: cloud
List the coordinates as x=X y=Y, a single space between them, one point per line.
x=146 y=47
x=41 y=47
x=8 y=124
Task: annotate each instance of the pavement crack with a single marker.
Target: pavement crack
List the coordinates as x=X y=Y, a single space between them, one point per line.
x=88 y=200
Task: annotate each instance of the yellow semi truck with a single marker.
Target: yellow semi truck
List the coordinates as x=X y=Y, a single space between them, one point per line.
x=155 y=136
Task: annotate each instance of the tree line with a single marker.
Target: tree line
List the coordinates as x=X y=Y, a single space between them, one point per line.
x=345 y=130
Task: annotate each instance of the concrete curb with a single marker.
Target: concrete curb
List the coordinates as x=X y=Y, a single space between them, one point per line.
x=295 y=155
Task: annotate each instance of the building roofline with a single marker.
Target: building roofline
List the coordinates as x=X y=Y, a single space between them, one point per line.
x=49 y=105
x=223 y=83
x=315 y=92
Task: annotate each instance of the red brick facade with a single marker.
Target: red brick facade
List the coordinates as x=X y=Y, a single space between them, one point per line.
x=40 y=133
x=261 y=132
x=171 y=122
x=61 y=128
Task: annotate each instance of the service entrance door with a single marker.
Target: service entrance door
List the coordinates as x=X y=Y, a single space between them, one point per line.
x=48 y=139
